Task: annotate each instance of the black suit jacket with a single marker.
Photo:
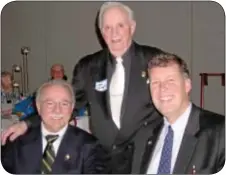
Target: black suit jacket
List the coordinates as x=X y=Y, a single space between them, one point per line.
x=24 y=155
x=137 y=105
x=202 y=148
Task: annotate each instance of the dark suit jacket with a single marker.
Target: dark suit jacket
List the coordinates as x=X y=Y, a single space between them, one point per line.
x=202 y=146
x=24 y=155
x=137 y=104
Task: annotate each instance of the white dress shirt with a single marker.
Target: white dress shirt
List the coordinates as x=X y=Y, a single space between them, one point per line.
x=178 y=129
x=57 y=142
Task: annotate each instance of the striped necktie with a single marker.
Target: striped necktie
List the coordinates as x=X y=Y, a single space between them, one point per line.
x=48 y=155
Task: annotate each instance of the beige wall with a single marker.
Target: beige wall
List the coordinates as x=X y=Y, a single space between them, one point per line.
x=64 y=32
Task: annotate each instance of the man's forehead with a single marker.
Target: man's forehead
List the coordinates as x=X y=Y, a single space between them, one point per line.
x=51 y=90
x=115 y=11
x=57 y=68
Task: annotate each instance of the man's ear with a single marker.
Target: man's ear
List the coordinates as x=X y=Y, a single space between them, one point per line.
x=73 y=106
x=188 y=85
x=38 y=106
x=133 y=27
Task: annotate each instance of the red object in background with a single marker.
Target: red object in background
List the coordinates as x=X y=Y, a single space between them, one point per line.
x=204 y=82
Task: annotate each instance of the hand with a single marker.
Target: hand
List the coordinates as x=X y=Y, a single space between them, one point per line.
x=13 y=132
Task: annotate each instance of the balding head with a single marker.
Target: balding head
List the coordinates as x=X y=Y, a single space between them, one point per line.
x=57 y=71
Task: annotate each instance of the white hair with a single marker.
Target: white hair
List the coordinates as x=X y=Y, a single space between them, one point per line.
x=112 y=4
x=56 y=82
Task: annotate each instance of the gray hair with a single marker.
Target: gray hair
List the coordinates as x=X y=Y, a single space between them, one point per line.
x=6 y=73
x=112 y=4
x=57 y=65
x=57 y=82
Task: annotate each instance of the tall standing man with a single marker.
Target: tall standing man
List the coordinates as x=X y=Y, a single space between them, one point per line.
x=113 y=83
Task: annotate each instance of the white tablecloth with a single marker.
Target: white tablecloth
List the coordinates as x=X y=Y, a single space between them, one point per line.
x=83 y=123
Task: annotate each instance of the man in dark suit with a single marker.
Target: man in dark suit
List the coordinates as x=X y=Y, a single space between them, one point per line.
x=113 y=83
x=188 y=139
x=54 y=146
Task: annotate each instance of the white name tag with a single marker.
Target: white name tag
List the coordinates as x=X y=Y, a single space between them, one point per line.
x=101 y=85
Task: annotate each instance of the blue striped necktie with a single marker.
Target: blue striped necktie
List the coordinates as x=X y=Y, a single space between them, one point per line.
x=165 y=160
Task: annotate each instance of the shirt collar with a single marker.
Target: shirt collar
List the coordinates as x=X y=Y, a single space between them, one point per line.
x=125 y=56
x=181 y=121
x=60 y=133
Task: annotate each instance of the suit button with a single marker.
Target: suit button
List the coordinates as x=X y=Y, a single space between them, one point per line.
x=149 y=142
x=145 y=123
x=129 y=146
x=114 y=147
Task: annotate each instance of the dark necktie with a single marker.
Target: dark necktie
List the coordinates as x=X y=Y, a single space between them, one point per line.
x=165 y=160
x=48 y=155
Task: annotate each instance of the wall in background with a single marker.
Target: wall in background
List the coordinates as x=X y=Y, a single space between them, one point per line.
x=63 y=32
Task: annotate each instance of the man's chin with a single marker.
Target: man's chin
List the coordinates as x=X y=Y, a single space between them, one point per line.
x=55 y=126
x=56 y=129
x=166 y=111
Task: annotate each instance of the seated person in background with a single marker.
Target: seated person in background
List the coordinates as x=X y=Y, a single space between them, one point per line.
x=8 y=95
x=188 y=139
x=57 y=72
x=12 y=102
x=54 y=146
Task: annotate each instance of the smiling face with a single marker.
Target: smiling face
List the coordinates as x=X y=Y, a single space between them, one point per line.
x=55 y=107
x=57 y=71
x=6 y=82
x=170 y=90
x=117 y=30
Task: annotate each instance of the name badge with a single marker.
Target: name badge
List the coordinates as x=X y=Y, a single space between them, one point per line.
x=101 y=85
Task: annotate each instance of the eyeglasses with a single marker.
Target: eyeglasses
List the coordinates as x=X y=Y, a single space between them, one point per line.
x=50 y=104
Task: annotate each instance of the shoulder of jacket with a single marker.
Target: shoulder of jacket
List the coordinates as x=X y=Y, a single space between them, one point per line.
x=91 y=57
x=148 y=49
x=83 y=135
x=211 y=117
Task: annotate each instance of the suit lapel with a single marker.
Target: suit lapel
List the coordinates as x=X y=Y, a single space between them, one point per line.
x=149 y=148
x=31 y=153
x=135 y=81
x=110 y=71
x=99 y=75
x=99 y=72
x=127 y=84
x=188 y=143
x=66 y=155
